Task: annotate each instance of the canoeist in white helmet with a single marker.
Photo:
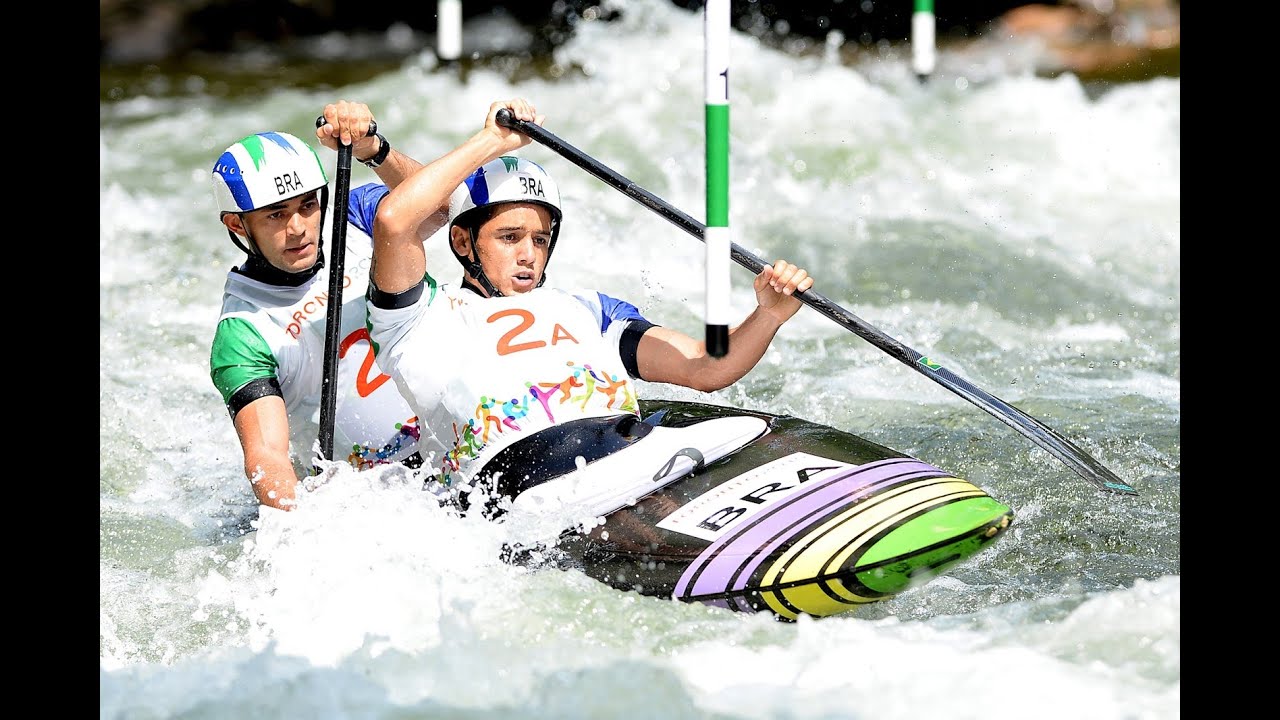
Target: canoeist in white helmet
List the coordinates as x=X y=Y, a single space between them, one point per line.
x=267 y=358
x=509 y=376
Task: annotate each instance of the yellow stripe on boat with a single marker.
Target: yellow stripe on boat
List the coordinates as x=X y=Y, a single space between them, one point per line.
x=823 y=551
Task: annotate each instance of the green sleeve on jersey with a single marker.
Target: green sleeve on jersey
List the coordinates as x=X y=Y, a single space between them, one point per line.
x=239 y=355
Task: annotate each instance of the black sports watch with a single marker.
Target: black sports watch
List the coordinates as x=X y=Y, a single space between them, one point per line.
x=384 y=149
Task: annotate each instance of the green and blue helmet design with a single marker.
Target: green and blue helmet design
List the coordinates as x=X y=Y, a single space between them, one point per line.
x=507 y=179
x=265 y=168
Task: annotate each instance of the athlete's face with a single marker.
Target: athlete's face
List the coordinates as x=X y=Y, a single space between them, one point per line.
x=513 y=247
x=287 y=233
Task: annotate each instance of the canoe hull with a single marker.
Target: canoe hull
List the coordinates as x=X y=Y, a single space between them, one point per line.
x=804 y=520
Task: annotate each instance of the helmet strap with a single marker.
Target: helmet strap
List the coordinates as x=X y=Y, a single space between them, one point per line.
x=324 y=214
x=473 y=267
x=251 y=249
x=551 y=247
x=476 y=271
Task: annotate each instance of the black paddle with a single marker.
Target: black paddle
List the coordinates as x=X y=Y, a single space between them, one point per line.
x=1044 y=436
x=333 y=310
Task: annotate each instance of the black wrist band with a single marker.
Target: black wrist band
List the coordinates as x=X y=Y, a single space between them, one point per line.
x=384 y=149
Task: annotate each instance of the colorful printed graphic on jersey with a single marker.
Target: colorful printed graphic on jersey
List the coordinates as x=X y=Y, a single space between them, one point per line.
x=364 y=456
x=583 y=387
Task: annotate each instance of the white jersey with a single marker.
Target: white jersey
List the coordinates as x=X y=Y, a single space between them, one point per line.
x=272 y=331
x=481 y=373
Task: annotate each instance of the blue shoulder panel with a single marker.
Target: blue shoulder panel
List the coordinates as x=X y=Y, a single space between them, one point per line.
x=362 y=205
x=615 y=309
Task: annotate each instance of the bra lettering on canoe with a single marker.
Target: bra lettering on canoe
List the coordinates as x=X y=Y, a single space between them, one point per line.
x=731 y=502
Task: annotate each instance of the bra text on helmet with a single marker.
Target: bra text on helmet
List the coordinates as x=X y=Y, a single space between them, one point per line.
x=288 y=184
x=532 y=186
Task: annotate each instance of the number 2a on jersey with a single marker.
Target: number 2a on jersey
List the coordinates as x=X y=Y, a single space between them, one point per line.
x=522 y=336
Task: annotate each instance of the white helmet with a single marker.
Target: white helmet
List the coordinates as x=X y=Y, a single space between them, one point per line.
x=265 y=168
x=507 y=179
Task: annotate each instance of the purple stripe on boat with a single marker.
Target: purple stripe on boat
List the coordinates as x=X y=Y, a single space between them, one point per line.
x=785 y=527
x=722 y=562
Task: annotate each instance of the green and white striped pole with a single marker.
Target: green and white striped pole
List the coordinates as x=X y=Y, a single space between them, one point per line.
x=923 y=50
x=717 y=141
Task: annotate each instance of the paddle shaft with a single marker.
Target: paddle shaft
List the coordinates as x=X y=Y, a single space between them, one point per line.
x=1085 y=465
x=333 y=308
